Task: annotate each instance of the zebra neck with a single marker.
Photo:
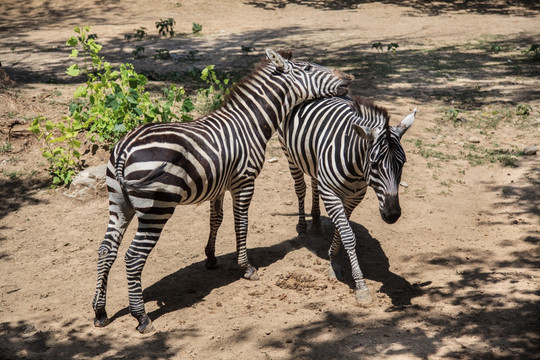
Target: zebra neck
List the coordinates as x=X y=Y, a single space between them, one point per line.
x=358 y=156
x=264 y=102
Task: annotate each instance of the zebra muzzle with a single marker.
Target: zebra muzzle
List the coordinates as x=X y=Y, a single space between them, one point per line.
x=391 y=211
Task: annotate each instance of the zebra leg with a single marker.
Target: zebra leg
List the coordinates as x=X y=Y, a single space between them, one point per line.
x=120 y=215
x=300 y=189
x=349 y=205
x=145 y=239
x=315 y=206
x=334 y=271
x=241 y=200
x=338 y=214
x=216 y=217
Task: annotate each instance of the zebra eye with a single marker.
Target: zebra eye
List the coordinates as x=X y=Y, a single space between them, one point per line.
x=308 y=67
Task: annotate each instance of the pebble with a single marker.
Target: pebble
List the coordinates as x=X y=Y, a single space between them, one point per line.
x=404 y=184
x=272 y=160
x=530 y=150
x=474 y=140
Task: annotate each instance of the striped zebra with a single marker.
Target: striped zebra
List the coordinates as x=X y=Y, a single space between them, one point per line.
x=344 y=144
x=158 y=166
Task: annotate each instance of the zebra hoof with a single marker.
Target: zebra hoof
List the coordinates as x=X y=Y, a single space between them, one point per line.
x=101 y=319
x=145 y=324
x=251 y=273
x=363 y=296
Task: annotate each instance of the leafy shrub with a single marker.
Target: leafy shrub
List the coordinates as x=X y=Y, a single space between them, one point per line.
x=61 y=147
x=390 y=47
x=212 y=97
x=165 y=27
x=196 y=28
x=138 y=51
x=523 y=109
x=162 y=54
x=116 y=100
x=109 y=104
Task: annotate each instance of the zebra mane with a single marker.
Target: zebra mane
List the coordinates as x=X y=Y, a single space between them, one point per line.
x=287 y=55
x=362 y=105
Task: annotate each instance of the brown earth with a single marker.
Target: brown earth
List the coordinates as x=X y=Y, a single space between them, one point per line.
x=455 y=277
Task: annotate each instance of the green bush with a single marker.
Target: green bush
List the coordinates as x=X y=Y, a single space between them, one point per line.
x=109 y=104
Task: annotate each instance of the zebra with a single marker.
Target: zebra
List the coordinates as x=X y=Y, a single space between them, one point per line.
x=158 y=166
x=344 y=144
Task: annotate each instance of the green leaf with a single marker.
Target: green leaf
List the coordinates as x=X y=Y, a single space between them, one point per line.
x=56 y=140
x=82 y=91
x=73 y=70
x=72 y=41
x=74 y=53
x=187 y=106
x=120 y=128
x=49 y=125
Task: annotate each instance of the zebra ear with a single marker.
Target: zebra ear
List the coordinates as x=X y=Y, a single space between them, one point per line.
x=405 y=123
x=279 y=62
x=364 y=132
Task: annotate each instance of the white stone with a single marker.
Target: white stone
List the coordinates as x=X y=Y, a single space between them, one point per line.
x=88 y=183
x=530 y=150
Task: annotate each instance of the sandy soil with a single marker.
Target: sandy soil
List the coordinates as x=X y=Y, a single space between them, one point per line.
x=455 y=277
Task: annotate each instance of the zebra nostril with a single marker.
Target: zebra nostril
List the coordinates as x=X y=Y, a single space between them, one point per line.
x=390 y=217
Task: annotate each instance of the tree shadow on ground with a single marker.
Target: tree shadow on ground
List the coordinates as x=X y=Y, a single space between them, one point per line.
x=19 y=192
x=45 y=14
x=505 y=327
x=21 y=340
x=467 y=76
x=433 y=8
x=525 y=193
x=373 y=261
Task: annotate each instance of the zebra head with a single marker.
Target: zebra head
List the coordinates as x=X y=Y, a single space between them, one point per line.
x=307 y=80
x=383 y=164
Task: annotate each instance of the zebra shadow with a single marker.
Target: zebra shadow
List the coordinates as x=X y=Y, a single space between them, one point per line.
x=189 y=285
x=374 y=263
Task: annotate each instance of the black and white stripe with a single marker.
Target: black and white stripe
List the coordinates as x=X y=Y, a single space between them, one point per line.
x=344 y=144
x=158 y=166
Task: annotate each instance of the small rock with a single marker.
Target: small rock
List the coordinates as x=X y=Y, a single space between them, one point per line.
x=530 y=150
x=404 y=184
x=474 y=140
x=272 y=160
x=88 y=183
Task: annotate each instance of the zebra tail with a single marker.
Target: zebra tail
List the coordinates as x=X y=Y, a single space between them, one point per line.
x=140 y=183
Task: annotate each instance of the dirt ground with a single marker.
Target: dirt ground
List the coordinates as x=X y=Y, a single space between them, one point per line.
x=456 y=277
